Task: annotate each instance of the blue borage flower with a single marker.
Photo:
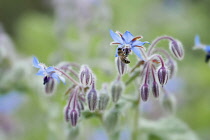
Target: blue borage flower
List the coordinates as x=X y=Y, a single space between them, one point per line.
x=127 y=40
x=199 y=45
x=47 y=71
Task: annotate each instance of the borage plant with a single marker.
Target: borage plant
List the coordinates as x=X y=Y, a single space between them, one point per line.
x=154 y=67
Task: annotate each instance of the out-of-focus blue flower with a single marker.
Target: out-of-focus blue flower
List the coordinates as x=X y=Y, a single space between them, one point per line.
x=199 y=45
x=47 y=71
x=127 y=40
x=10 y=102
x=197 y=40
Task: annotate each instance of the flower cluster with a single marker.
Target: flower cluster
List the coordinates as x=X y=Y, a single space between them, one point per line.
x=205 y=48
x=158 y=65
x=83 y=86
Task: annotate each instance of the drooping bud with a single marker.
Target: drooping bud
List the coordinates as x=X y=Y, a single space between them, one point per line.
x=86 y=76
x=171 y=64
x=49 y=84
x=116 y=90
x=177 y=49
x=163 y=75
x=121 y=66
x=155 y=86
x=92 y=98
x=144 y=90
x=103 y=99
x=155 y=89
x=72 y=111
x=80 y=105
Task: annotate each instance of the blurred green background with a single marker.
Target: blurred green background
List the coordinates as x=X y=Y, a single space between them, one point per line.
x=78 y=31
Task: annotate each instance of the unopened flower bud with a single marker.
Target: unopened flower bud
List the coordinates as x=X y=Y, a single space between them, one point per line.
x=86 y=76
x=144 y=90
x=72 y=111
x=171 y=64
x=103 y=100
x=116 y=90
x=80 y=105
x=74 y=115
x=155 y=89
x=92 y=98
x=49 y=84
x=177 y=49
x=163 y=75
x=121 y=66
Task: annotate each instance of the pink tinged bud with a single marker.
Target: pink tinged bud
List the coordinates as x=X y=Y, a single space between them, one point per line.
x=121 y=66
x=74 y=115
x=155 y=89
x=72 y=111
x=49 y=85
x=116 y=90
x=86 y=76
x=177 y=49
x=92 y=99
x=163 y=75
x=144 y=90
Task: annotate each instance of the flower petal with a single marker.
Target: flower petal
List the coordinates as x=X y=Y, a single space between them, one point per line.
x=128 y=37
x=197 y=40
x=137 y=51
x=55 y=76
x=207 y=49
x=139 y=43
x=36 y=62
x=116 y=37
x=50 y=69
x=62 y=79
x=41 y=72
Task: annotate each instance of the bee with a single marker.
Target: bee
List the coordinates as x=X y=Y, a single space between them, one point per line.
x=123 y=54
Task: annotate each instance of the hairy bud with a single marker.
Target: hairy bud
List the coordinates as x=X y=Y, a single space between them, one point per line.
x=171 y=64
x=177 y=49
x=86 y=76
x=72 y=111
x=155 y=89
x=116 y=90
x=163 y=75
x=121 y=66
x=92 y=98
x=144 y=90
x=49 y=84
x=103 y=100
x=74 y=115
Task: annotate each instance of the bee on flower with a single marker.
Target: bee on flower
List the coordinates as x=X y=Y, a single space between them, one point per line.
x=158 y=64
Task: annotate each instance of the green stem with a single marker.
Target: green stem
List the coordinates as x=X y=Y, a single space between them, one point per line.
x=135 y=131
x=133 y=77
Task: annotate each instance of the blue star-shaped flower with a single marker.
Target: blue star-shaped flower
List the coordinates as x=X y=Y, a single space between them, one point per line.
x=46 y=71
x=199 y=45
x=127 y=40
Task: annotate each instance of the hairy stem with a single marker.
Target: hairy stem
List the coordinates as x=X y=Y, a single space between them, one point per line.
x=67 y=76
x=156 y=41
